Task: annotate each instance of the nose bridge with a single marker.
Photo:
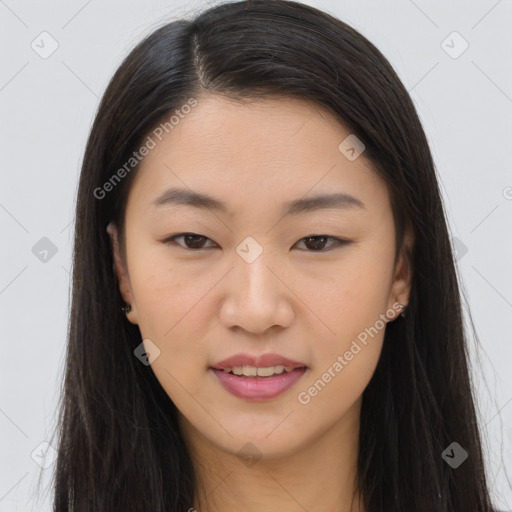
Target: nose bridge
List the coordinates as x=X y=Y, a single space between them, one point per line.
x=253 y=277
x=255 y=299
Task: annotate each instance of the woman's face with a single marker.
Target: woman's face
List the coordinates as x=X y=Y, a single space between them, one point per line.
x=250 y=281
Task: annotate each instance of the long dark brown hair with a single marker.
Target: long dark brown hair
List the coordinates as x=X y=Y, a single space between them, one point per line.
x=120 y=448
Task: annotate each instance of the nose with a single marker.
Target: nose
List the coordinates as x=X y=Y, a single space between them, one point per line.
x=257 y=297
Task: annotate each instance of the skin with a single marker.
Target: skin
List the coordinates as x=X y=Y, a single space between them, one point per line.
x=201 y=307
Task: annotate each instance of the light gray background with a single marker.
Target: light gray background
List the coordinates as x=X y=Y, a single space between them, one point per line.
x=47 y=107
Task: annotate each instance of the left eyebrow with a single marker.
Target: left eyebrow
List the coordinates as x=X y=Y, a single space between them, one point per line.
x=183 y=197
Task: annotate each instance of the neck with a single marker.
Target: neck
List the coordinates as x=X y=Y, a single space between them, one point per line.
x=320 y=475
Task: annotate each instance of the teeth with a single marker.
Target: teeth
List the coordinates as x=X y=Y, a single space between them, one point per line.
x=267 y=372
x=252 y=371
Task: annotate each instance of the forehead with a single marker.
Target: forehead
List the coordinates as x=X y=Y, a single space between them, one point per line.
x=254 y=152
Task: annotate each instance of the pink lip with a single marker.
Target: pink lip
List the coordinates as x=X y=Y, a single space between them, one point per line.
x=258 y=361
x=258 y=388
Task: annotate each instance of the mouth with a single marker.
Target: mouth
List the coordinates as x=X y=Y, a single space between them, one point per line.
x=253 y=371
x=258 y=383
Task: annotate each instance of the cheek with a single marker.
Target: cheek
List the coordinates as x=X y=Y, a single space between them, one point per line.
x=346 y=357
x=168 y=302
x=353 y=295
x=351 y=305
x=164 y=289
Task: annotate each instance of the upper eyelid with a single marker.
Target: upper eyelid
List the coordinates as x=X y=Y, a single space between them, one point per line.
x=338 y=241
x=179 y=235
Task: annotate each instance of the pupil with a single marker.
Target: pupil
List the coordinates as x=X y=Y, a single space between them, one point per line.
x=316 y=244
x=188 y=237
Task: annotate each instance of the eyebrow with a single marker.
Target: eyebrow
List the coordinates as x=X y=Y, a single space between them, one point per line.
x=179 y=196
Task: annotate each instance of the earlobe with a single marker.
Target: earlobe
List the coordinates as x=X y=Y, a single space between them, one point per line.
x=121 y=274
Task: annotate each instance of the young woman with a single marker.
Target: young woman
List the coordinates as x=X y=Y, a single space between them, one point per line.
x=265 y=310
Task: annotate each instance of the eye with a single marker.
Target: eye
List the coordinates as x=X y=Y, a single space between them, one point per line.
x=189 y=238
x=318 y=241
x=194 y=241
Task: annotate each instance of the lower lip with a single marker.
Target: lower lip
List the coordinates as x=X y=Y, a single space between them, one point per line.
x=258 y=388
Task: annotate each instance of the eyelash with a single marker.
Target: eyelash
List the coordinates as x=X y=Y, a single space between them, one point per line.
x=339 y=241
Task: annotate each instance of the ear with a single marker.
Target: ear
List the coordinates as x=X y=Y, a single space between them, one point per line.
x=121 y=273
x=401 y=287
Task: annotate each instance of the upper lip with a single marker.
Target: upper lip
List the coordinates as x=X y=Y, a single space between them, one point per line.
x=262 y=361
